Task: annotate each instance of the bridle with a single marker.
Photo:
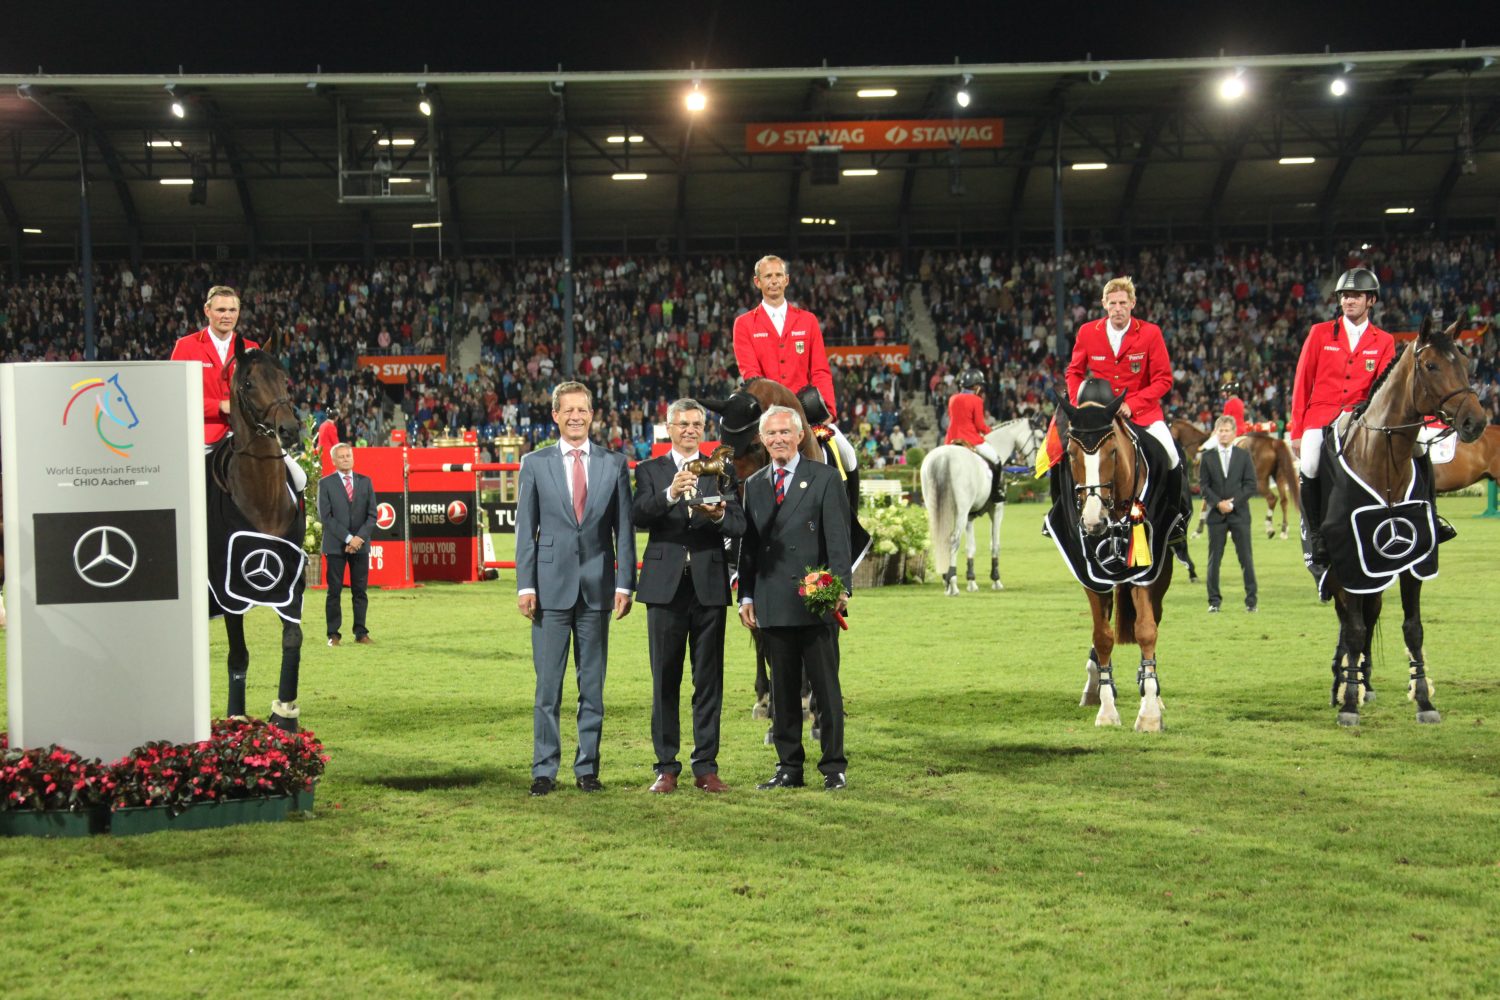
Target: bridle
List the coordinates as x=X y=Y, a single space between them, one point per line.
x=259 y=423
x=1440 y=411
x=1106 y=491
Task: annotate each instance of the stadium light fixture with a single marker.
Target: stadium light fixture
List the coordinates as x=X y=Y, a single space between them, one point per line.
x=1339 y=85
x=165 y=144
x=860 y=172
x=617 y=139
x=424 y=103
x=962 y=97
x=1090 y=166
x=178 y=109
x=400 y=180
x=818 y=220
x=31 y=232
x=628 y=176
x=1297 y=161
x=696 y=100
x=176 y=181
x=427 y=225
x=875 y=92
x=396 y=142
x=1232 y=87
x=1401 y=210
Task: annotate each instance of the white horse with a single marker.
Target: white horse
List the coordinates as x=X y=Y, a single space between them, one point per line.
x=956 y=490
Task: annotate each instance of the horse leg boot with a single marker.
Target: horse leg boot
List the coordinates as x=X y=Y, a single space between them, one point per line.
x=973 y=584
x=239 y=665
x=284 y=710
x=1149 y=719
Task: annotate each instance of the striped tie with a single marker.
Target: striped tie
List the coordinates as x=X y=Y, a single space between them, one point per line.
x=349 y=487
x=780 y=486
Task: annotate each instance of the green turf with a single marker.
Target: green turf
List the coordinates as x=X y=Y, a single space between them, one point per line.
x=992 y=841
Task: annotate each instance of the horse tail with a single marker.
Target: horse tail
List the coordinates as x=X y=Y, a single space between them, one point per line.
x=1286 y=472
x=940 y=504
x=1124 y=616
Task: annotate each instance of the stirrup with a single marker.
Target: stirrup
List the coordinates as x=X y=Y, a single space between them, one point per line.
x=1445 y=531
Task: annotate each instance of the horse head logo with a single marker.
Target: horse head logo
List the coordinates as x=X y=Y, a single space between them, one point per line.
x=112 y=403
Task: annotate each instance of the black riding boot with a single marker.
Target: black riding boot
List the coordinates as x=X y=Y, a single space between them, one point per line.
x=1445 y=531
x=1175 y=480
x=1312 y=518
x=997 y=482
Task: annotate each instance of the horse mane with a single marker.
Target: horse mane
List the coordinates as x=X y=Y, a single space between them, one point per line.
x=1380 y=380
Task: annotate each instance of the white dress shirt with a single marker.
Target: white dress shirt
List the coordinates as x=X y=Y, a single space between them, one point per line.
x=1354 y=332
x=777 y=314
x=1116 y=337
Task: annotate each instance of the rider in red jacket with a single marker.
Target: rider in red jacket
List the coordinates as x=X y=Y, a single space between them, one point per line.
x=966 y=426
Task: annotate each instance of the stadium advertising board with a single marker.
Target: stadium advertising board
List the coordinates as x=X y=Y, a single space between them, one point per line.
x=890 y=135
x=393 y=367
x=107 y=644
x=855 y=357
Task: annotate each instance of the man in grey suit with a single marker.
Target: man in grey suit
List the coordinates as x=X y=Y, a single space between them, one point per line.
x=575 y=560
x=797 y=518
x=685 y=587
x=1227 y=481
x=346 y=506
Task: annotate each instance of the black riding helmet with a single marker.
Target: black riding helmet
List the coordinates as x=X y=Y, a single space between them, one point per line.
x=971 y=379
x=1358 y=279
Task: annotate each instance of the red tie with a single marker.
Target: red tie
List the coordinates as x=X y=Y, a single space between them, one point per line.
x=780 y=485
x=349 y=487
x=580 y=485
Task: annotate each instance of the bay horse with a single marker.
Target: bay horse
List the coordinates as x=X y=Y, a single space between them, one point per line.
x=1275 y=476
x=1429 y=377
x=956 y=489
x=1107 y=467
x=1473 y=461
x=250 y=468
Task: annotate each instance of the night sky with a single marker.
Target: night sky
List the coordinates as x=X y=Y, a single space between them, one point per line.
x=275 y=36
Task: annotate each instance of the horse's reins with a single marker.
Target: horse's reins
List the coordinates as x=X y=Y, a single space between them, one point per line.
x=1082 y=492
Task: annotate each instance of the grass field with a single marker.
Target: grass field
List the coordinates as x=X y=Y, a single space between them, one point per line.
x=992 y=841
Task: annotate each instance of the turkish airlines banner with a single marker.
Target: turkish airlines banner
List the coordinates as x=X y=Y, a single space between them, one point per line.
x=877 y=136
x=393 y=367
x=854 y=357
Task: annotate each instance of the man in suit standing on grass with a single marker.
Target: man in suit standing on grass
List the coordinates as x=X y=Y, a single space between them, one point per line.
x=575 y=561
x=685 y=587
x=797 y=517
x=1227 y=481
x=346 y=506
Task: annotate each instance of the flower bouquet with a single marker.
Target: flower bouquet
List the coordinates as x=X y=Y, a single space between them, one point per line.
x=820 y=591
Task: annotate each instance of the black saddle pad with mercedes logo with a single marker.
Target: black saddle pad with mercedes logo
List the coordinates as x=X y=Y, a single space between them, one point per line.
x=260 y=570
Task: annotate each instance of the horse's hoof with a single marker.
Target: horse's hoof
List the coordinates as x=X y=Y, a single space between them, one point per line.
x=1101 y=720
x=1348 y=718
x=997 y=585
x=1283 y=534
x=1369 y=696
x=760 y=712
x=283 y=723
x=973 y=586
x=1431 y=718
x=1149 y=724
x=768 y=738
x=951 y=590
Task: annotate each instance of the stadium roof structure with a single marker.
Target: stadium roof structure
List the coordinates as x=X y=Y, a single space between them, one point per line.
x=1415 y=131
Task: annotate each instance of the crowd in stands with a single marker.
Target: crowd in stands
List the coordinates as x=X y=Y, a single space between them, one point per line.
x=649 y=330
x=1234 y=318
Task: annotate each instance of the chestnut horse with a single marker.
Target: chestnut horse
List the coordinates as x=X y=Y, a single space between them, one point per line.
x=1429 y=377
x=1109 y=477
x=1473 y=461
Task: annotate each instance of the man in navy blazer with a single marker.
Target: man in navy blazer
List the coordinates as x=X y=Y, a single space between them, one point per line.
x=1226 y=477
x=575 y=561
x=685 y=587
x=797 y=518
x=346 y=506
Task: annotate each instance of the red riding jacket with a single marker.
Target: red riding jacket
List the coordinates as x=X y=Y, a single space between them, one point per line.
x=1141 y=370
x=1331 y=378
x=197 y=347
x=794 y=357
x=966 y=419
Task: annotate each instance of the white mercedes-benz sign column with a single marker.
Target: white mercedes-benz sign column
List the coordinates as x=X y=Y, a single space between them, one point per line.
x=105 y=554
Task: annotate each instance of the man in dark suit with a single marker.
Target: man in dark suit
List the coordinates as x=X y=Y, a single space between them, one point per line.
x=575 y=561
x=1227 y=480
x=797 y=518
x=685 y=587
x=346 y=506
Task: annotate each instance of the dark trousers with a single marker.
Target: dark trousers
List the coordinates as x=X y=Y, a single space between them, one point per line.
x=1240 y=532
x=792 y=651
x=359 y=579
x=675 y=630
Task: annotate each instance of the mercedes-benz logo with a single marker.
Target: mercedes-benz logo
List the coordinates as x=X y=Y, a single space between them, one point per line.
x=261 y=569
x=1395 y=538
x=104 y=556
x=1109 y=552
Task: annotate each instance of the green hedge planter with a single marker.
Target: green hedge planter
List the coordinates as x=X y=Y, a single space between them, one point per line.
x=53 y=823
x=209 y=815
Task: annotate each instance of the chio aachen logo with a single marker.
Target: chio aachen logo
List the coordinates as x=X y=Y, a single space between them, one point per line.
x=104 y=556
x=112 y=410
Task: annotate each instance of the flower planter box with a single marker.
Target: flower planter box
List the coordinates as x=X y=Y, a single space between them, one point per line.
x=885 y=570
x=52 y=823
x=199 y=816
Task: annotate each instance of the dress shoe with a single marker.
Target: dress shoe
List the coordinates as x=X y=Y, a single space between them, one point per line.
x=710 y=782
x=664 y=783
x=333 y=640
x=542 y=786
x=834 y=782
x=782 y=779
x=365 y=640
x=589 y=783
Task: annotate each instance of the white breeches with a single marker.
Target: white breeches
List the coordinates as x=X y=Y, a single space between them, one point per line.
x=299 y=475
x=987 y=453
x=1159 y=431
x=1312 y=448
x=846 y=450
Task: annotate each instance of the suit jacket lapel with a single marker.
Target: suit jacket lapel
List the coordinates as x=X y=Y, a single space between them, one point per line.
x=559 y=479
x=795 y=489
x=762 y=510
x=599 y=469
